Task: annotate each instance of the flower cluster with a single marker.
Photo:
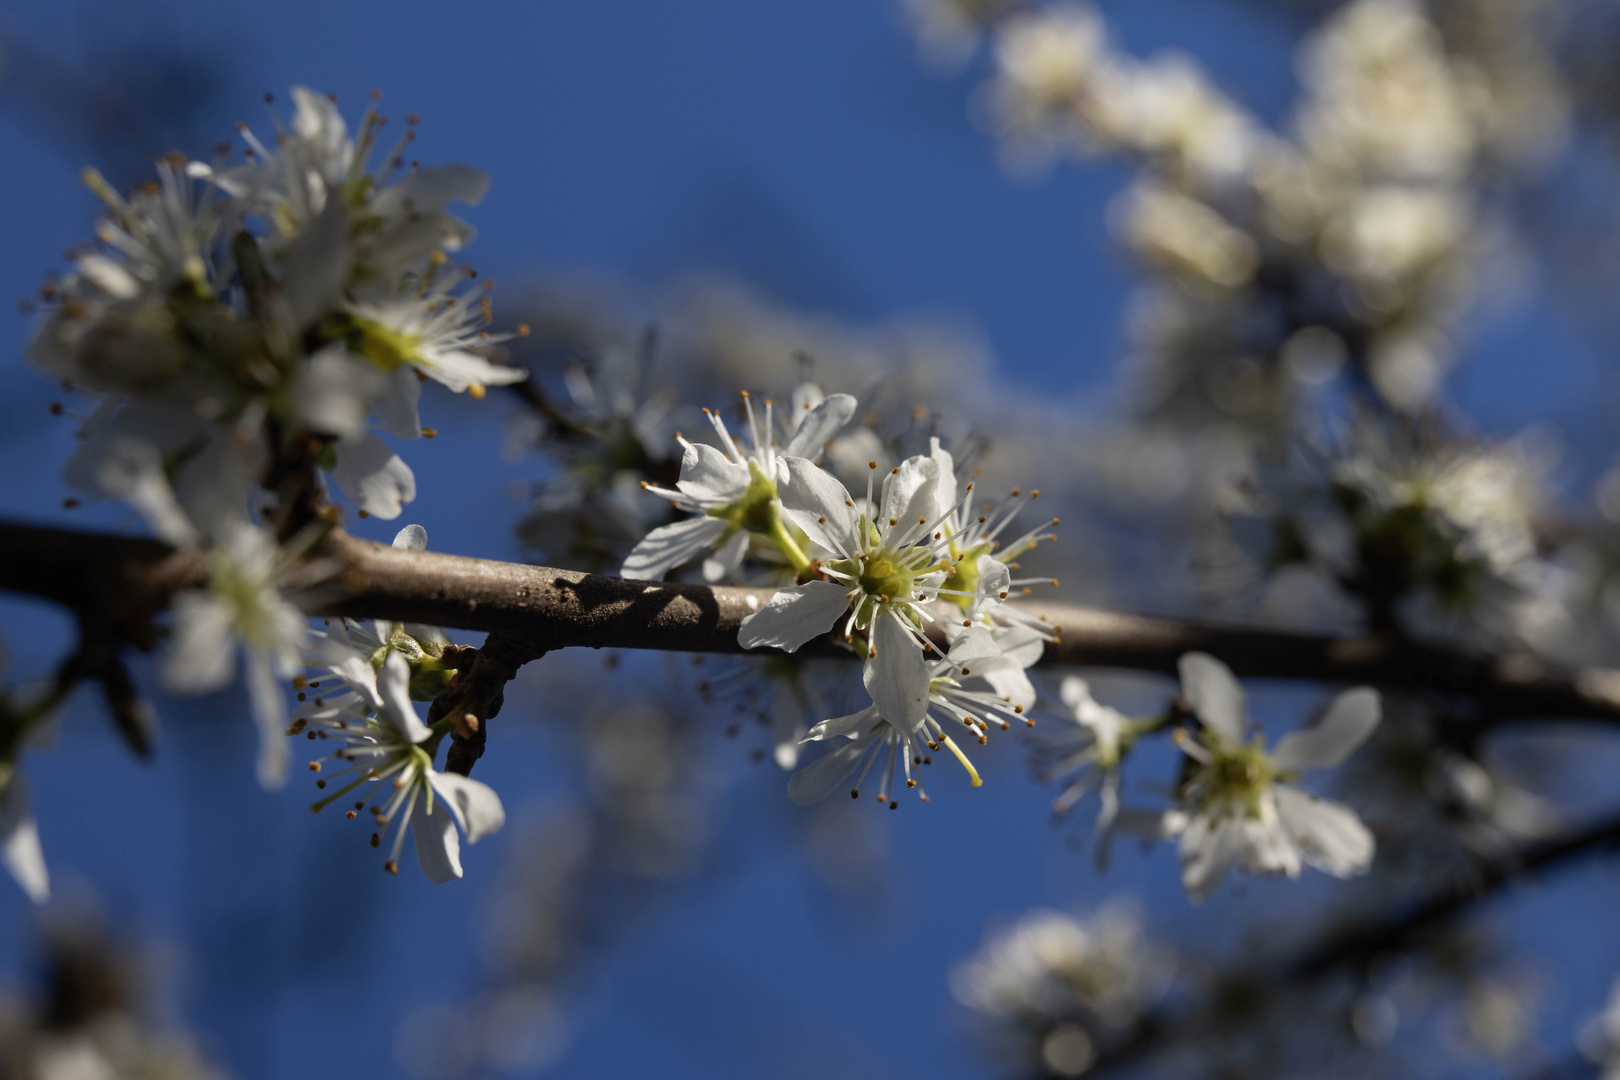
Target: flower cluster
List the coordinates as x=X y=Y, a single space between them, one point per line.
x=1361 y=221
x=1439 y=537
x=914 y=560
x=244 y=328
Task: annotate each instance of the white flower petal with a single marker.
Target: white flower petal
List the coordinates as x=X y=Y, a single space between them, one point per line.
x=214 y=484
x=711 y=478
x=724 y=562
x=995 y=580
x=373 y=476
x=350 y=663
x=438 y=849
x=896 y=675
x=794 y=615
x=1215 y=695
x=20 y=850
x=269 y=704
x=1008 y=680
x=818 y=504
x=132 y=470
x=665 y=548
x=394 y=687
x=909 y=493
x=851 y=726
x=821 y=777
x=202 y=655
x=945 y=493
x=397 y=407
x=1207 y=851
x=1074 y=691
x=333 y=392
x=1350 y=718
x=318 y=265
x=1330 y=835
x=477 y=808
x=459 y=370
x=432 y=188
x=973 y=643
x=818 y=425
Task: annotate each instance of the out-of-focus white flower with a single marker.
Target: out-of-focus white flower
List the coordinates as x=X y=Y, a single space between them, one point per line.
x=1087 y=751
x=1167 y=108
x=367 y=470
x=1047 y=65
x=1389 y=235
x=948 y=31
x=394 y=216
x=1061 y=985
x=20 y=850
x=732 y=492
x=1238 y=806
x=1186 y=236
x=1599 y=1038
x=1384 y=98
x=241 y=607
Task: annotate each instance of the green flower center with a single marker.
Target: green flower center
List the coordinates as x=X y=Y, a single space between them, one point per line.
x=1239 y=775
x=384 y=346
x=756 y=511
x=966 y=577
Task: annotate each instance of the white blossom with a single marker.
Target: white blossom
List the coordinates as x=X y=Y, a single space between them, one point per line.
x=886 y=564
x=1599 y=1037
x=1087 y=752
x=953 y=698
x=1061 y=985
x=383 y=762
x=732 y=491
x=1239 y=805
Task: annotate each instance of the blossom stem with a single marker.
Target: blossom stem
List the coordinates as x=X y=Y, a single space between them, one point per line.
x=783 y=540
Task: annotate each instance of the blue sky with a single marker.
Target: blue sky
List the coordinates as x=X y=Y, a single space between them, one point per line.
x=800 y=146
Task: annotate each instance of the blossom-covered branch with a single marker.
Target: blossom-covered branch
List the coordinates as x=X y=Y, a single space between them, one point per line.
x=120 y=579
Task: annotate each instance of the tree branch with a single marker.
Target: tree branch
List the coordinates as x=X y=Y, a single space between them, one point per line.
x=1361 y=942
x=121 y=582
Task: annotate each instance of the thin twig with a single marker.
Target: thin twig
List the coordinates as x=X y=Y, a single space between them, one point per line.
x=1364 y=941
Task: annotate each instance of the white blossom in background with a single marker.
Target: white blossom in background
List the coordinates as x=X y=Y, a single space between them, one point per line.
x=949 y=31
x=1599 y=1037
x=1086 y=753
x=1240 y=807
x=732 y=492
x=1064 y=985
